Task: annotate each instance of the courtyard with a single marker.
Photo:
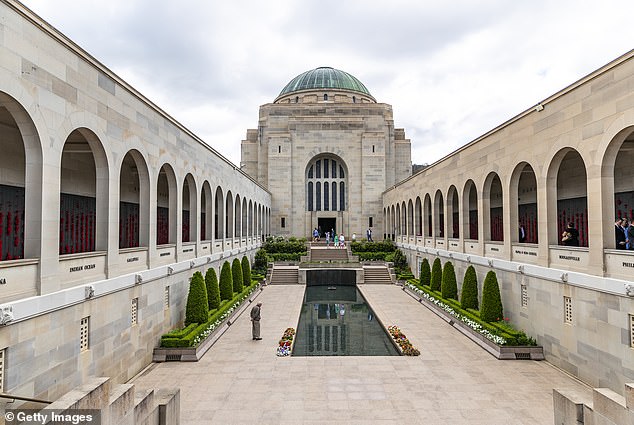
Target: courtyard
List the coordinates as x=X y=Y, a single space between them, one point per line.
x=453 y=381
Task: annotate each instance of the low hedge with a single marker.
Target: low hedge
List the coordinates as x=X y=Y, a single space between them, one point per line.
x=512 y=336
x=285 y=257
x=383 y=246
x=372 y=256
x=181 y=338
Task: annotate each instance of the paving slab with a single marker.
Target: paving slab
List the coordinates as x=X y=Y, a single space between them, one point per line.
x=453 y=381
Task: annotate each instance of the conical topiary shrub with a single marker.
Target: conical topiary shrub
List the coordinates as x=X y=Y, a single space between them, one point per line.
x=436 y=275
x=197 y=308
x=425 y=273
x=246 y=271
x=491 y=308
x=236 y=271
x=449 y=286
x=213 y=291
x=469 y=295
x=226 y=282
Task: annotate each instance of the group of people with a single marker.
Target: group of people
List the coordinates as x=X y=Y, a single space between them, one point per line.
x=624 y=233
x=339 y=241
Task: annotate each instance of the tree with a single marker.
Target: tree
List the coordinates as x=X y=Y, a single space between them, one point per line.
x=213 y=291
x=400 y=262
x=449 y=286
x=491 y=309
x=436 y=275
x=236 y=271
x=469 y=295
x=197 y=309
x=425 y=273
x=226 y=282
x=246 y=271
x=261 y=261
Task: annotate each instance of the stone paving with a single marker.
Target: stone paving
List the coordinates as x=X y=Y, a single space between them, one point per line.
x=241 y=381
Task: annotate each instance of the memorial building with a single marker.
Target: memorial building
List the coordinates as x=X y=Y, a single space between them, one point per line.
x=326 y=150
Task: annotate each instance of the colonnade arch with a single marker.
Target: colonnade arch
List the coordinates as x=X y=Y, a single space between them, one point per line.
x=21 y=184
x=489 y=209
x=97 y=204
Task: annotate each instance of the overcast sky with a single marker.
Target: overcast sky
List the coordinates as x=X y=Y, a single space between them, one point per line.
x=452 y=70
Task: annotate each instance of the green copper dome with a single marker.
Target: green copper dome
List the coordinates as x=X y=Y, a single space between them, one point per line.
x=324 y=78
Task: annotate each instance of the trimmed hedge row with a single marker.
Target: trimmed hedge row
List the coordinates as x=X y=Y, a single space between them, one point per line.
x=185 y=337
x=513 y=337
x=383 y=246
x=285 y=256
x=373 y=256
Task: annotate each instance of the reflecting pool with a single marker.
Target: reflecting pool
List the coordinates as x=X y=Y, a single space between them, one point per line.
x=336 y=321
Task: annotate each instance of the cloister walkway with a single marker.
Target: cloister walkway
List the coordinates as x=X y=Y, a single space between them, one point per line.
x=241 y=381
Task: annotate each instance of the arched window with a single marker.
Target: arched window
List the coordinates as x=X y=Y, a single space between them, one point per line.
x=325 y=187
x=325 y=97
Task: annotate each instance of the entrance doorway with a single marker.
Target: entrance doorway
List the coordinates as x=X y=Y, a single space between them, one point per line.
x=326 y=224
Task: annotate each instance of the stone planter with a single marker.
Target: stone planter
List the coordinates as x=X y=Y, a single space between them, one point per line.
x=193 y=354
x=498 y=351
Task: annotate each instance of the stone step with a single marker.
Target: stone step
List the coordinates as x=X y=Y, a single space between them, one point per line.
x=285 y=276
x=377 y=275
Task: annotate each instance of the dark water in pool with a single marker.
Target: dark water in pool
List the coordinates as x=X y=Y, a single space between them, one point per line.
x=338 y=322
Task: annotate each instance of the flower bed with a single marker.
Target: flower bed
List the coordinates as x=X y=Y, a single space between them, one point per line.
x=286 y=343
x=482 y=334
x=401 y=340
x=192 y=342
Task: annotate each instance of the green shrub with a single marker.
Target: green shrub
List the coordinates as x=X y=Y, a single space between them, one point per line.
x=400 y=261
x=436 y=275
x=448 y=285
x=285 y=247
x=226 y=282
x=372 y=256
x=261 y=261
x=213 y=291
x=246 y=271
x=469 y=295
x=364 y=246
x=281 y=256
x=197 y=307
x=425 y=273
x=236 y=272
x=491 y=309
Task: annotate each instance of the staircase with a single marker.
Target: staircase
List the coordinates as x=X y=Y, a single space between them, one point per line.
x=377 y=275
x=284 y=275
x=323 y=253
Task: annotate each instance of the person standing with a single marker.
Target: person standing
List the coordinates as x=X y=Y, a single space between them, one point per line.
x=336 y=241
x=570 y=237
x=342 y=241
x=354 y=237
x=630 y=235
x=255 y=321
x=619 y=234
x=368 y=233
x=625 y=224
x=522 y=233
x=327 y=239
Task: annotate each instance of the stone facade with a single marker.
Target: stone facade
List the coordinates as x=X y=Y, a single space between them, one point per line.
x=300 y=129
x=108 y=206
x=565 y=159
